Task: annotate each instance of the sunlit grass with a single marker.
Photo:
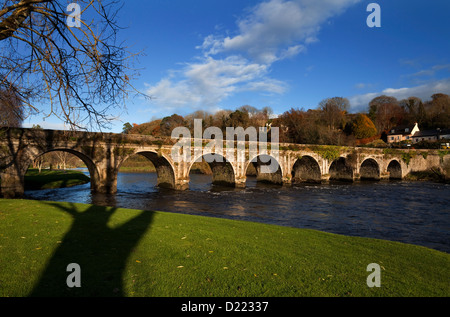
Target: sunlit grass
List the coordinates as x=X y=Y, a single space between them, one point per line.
x=125 y=252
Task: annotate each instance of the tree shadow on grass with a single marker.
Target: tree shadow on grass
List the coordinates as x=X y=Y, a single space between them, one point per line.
x=101 y=252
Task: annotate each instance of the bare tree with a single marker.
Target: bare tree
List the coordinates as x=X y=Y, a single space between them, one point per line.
x=62 y=158
x=333 y=111
x=82 y=73
x=414 y=110
x=11 y=110
x=439 y=111
x=385 y=112
x=39 y=163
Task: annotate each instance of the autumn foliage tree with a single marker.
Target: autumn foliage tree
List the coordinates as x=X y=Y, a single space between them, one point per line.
x=363 y=127
x=291 y=124
x=171 y=122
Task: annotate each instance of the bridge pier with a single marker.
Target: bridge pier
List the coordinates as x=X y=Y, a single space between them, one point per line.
x=13 y=174
x=182 y=184
x=240 y=182
x=12 y=184
x=104 y=183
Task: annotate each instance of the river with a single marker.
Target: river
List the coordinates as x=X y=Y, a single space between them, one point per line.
x=409 y=212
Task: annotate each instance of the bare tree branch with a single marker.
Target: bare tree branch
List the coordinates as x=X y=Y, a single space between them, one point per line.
x=82 y=74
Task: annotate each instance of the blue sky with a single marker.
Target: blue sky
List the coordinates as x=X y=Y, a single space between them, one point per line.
x=222 y=54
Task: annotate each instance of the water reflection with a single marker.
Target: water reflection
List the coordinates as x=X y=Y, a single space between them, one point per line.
x=411 y=212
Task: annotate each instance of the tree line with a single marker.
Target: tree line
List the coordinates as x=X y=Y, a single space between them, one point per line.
x=329 y=123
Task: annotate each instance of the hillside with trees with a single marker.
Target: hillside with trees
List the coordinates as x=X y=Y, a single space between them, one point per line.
x=329 y=123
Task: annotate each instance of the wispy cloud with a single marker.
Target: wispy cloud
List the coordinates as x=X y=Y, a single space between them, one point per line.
x=363 y=85
x=431 y=71
x=424 y=92
x=271 y=31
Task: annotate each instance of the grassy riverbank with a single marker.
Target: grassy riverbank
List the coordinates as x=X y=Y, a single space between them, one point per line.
x=146 y=167
x=428 y=176
x=125 y=252
x=47 y=179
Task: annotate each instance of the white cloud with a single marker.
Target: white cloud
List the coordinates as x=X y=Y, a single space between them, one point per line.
x=207 y=83
x=271 y=31
x=424 y=92
x=178 y=94
x=276 y=26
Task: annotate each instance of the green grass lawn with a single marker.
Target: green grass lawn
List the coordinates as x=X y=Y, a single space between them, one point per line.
x=47 y=179
x=137 y=169
x=125 y=252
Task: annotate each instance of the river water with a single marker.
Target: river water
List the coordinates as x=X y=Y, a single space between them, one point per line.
x=410 y=212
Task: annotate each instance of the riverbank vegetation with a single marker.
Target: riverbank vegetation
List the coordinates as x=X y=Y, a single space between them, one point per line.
x=137 y=163
x=430 y=175
x=140 y=164
x=46 y=179
x=123 y=252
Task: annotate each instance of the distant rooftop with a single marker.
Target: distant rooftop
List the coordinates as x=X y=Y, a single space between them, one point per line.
x=402 y=129
x=432 y=132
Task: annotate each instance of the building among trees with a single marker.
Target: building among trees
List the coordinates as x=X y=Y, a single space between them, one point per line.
x=413 y=134
x=402 y=133
x=431 y=135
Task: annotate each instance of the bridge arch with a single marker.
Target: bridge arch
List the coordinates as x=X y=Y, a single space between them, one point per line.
x=268 y=169
x=340 y=170
x=223 y=172
x=395 y=170
x=92 y=168
x=370 y=170
x=164 y=168
x=306 y=169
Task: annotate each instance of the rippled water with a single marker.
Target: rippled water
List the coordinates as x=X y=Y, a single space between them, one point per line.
x=410 y=212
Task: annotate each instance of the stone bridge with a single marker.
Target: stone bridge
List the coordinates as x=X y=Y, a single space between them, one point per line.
x=104 y=153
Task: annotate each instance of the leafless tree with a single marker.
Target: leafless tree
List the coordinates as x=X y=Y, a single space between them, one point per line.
x=39 y=163
x=333 y=110
x=414 y=110
x=11 y=110
x=81 y=73
x=62 y=158
x=385 y=112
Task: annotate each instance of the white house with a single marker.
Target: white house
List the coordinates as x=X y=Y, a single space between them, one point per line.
x=402 y=133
